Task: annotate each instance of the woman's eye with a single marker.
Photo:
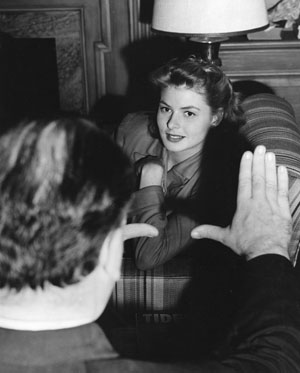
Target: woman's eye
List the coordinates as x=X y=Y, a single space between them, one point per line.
x=164 y=109
x=189 y=114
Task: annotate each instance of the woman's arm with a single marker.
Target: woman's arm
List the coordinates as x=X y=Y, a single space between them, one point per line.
x=174 y=229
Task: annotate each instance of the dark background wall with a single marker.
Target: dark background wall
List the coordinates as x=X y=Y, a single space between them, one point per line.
x=104 y=51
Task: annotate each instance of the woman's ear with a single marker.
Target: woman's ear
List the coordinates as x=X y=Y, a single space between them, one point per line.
x=217 y=117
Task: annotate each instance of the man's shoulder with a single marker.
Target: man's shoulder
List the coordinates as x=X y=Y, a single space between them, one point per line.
x=115 y=365
x=129 y=365
x=121 y=365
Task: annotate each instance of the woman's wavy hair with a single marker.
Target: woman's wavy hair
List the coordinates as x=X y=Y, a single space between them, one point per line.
x=63 y=186
x=208 y=80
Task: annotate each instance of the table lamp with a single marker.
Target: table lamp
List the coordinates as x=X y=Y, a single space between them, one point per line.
x=209 y=21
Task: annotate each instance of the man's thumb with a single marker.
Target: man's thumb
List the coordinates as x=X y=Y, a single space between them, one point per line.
x=209 y=231
x=138 y=230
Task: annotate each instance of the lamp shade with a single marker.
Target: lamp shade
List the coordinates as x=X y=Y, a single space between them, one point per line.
x=211 y=18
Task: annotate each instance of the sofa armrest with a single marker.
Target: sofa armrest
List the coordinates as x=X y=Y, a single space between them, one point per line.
x=270 y=121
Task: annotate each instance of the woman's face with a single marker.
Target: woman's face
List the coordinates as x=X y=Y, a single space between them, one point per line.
x=183 y=119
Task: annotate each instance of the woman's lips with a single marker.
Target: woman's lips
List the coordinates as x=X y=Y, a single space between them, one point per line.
x=174 y=138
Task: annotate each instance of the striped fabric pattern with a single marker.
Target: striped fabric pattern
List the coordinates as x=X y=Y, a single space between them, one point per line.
x=270 y=121
x=152 y=291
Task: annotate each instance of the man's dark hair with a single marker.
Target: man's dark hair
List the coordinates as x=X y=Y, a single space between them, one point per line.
x=63 y=186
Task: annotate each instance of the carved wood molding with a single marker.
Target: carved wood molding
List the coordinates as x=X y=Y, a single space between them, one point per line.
x=102 y=47
x=273 y=60
x=92 y=38
x=262 y=45
x=138 y=30
x=264 y=74
x=60 y=24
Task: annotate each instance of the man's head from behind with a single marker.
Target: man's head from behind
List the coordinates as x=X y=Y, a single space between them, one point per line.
x=64 y=186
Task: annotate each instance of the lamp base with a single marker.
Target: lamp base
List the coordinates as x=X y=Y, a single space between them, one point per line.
x=209 y=49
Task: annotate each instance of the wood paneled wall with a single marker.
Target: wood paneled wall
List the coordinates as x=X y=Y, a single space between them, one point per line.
x=118 y=50
x=275 y=64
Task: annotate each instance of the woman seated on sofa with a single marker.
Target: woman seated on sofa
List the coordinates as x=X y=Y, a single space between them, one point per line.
x=186 y=159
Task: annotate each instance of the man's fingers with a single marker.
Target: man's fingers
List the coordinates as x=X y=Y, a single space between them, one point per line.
x=138 y=230
x=210 y=231
x=245 y=183
x=271 y=178
x=283 y=191
x=258 y=172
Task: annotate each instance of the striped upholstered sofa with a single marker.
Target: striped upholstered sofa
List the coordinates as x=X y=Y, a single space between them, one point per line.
x=153 y=296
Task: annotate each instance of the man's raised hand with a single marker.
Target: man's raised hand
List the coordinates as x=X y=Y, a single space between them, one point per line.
x=262 y=222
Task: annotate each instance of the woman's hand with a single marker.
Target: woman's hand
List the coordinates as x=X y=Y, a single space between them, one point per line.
x=151 y=173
